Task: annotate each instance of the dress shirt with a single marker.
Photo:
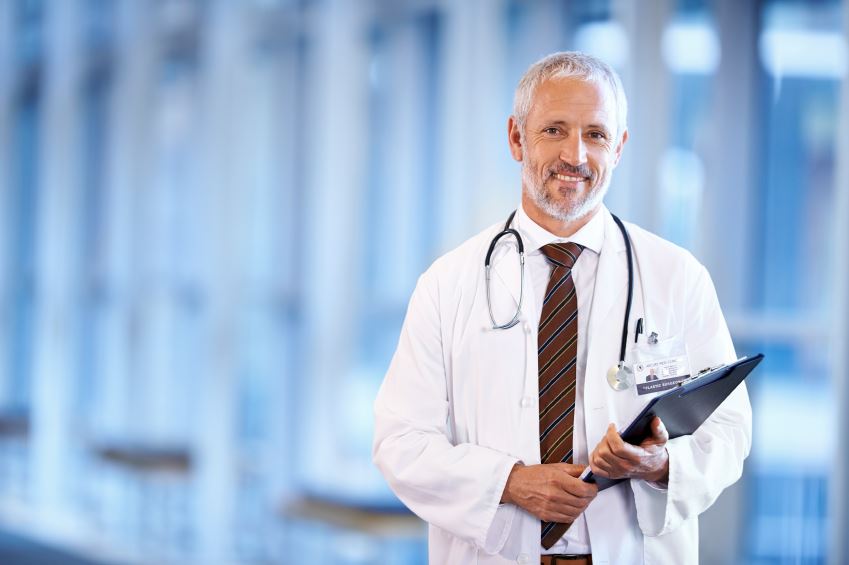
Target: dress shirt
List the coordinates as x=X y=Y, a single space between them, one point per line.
x=591 y=236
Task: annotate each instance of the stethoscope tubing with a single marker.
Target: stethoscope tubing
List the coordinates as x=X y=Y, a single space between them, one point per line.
x=626 y=237
x=506 y=231
x=521 y=248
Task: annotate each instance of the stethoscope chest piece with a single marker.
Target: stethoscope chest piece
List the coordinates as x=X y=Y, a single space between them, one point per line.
x=620 y=377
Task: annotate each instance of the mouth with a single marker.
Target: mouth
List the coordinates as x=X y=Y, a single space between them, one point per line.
x=570 y=179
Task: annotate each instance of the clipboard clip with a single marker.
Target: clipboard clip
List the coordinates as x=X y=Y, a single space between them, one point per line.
x=707 y=370
x=701 y=373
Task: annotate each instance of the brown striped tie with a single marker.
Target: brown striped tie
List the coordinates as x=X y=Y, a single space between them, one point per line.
x=558 y=354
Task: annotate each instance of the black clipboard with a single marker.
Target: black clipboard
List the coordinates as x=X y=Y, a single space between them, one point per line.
x=684 y=408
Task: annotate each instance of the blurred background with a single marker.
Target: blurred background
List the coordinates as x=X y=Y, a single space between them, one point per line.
x=213 y=212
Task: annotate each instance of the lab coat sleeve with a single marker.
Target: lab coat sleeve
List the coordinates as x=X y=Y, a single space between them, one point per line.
x=702 y=465
x=454 y=486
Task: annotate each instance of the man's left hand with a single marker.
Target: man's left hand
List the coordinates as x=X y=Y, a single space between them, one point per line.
x=614 y=458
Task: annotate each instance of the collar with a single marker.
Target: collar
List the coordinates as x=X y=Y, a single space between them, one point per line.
x=534 y=236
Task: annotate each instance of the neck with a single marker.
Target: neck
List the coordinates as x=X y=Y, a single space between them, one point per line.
x=558 y=227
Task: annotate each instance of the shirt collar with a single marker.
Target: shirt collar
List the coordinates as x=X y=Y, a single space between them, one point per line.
x=590 y=236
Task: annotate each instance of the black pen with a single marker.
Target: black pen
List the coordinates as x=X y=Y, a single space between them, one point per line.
x=639 y=329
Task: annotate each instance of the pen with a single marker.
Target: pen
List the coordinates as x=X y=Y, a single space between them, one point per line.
x=639 y=329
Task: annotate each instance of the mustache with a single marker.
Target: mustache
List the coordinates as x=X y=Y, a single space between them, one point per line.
x=564 y=169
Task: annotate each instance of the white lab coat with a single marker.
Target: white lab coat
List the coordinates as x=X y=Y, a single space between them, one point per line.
x=458 y=406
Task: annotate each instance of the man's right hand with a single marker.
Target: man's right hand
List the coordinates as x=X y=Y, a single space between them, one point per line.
x=551 y=492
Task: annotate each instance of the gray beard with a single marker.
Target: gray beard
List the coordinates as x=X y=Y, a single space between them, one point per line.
x=562 y=211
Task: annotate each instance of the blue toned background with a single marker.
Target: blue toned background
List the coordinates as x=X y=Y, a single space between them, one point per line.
x=213 y=212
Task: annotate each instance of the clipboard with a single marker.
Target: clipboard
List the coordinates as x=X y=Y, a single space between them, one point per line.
x=684 y=408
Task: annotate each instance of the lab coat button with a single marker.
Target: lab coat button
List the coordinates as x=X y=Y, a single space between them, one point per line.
x=524 y=558
x=526 y=401
x=527 y=328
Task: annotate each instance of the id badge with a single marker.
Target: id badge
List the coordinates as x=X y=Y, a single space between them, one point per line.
x=660 y=366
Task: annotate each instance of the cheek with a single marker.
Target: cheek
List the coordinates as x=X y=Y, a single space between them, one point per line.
x=535 y=163
x=543 y=153
x=543 y=166
x=602 y=162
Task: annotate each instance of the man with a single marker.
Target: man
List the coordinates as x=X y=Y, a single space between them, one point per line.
x=483 y=432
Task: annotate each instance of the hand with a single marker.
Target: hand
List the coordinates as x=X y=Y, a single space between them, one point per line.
x=551 y=492
x=616 y=459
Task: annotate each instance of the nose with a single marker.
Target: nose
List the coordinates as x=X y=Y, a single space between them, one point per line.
x=573 y=151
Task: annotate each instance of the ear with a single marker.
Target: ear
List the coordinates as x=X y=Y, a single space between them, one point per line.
x=618 y=150
x=514 y=138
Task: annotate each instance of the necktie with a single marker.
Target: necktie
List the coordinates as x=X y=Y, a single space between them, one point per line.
x=558 y=353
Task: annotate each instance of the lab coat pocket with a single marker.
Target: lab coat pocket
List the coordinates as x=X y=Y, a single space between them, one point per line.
x=654 y=369
x=659 y=365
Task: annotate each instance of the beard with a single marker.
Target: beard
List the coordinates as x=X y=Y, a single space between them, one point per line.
x=557 y=206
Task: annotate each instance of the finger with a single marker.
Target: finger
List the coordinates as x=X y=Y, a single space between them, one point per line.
x=627 y=454
x=577 y=488
x=622 y=449
x=596 y=460
x=575 y=470
x=659 y=431
x=611 y=466
x=560 y=513
x=603 y=449
x=569 y=468
x=585 y=491
x=559 y=517
x=604 y=444
x=590 y=490
x=611 y=471
x=565 y=504
x=607 y=463
x=600 y=465
x=573 y=509
x=613 y=439
x=623 y=456
x=650 y=446
x=600 y=472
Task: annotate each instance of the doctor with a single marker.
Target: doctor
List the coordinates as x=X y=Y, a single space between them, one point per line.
x=483 y=430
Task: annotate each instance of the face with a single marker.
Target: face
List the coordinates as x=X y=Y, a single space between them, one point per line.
x=568 y=147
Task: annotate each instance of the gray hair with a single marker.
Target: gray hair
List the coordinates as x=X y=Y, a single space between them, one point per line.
x=565 y=64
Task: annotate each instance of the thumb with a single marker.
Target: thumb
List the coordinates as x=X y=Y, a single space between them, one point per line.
x=659 y=431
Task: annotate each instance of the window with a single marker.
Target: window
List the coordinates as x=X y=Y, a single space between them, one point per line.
x=803 y=57
x=22 y=222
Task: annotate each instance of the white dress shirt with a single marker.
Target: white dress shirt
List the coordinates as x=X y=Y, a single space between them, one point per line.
x=591 y=236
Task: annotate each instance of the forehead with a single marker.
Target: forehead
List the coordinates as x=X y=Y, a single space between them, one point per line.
x=573 y=100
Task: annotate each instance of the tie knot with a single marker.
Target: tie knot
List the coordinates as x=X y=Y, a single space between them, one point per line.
x=562 y=254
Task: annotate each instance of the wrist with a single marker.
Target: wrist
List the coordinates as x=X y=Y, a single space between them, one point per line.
x=661 y=474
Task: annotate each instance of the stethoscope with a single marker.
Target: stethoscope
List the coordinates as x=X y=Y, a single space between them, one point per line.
x=620 y=375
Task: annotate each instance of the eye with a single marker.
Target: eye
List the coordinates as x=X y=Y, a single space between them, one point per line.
x=551 y=131
x=598 y=135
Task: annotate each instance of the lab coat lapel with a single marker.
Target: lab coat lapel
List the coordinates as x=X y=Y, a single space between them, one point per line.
x=608 y=308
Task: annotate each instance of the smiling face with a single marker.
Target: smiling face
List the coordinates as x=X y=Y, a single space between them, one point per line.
x=568 y=148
